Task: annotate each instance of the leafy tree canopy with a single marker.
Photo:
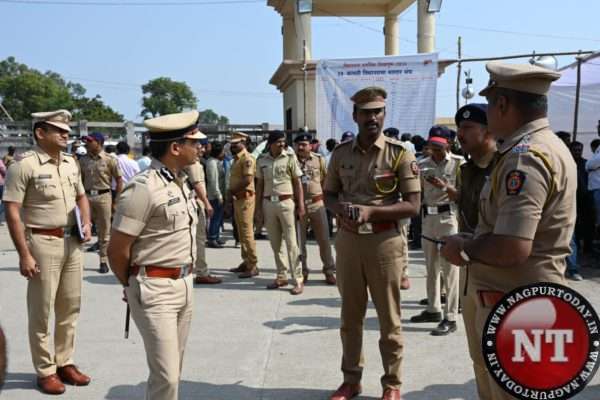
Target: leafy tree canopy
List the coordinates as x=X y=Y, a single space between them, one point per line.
x=166 y=96
x=208 y=116
x=25 y=90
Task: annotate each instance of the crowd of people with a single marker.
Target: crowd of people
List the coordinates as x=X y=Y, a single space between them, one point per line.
x=493 y=206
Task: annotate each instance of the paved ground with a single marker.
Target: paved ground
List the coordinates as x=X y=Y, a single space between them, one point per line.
x=246 y=342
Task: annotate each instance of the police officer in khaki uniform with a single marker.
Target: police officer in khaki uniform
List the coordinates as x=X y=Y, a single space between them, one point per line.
x=365 y=179
x=278 y=185
x=195 y=174
x=45 y=184
x=241 y=195
x=313 y=177
x=439 y=172
x=527 y=206
x=98 y=169
x=152 y=248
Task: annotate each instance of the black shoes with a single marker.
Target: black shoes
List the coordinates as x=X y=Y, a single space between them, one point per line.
x=427 y=316
x=425 y=302
x=445 y=327
x=213 y=244
x=103 y=268
x=93 y=248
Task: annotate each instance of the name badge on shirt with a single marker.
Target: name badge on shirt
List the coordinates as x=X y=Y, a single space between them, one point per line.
x=46 y=176
x=174 y=201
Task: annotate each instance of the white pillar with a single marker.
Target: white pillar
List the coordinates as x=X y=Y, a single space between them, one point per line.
x=392 y=33
x=425 y=29
x=303 y=35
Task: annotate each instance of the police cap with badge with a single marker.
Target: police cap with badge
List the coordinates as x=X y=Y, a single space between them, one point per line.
x=371 y=97
x=237 y=137
x=474 y=112
x=59 y=119
x=172 y=127
x=303 y=137
x=520 y=77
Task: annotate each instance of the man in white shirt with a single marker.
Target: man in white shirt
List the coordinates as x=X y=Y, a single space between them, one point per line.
x=592 y=166
x=129 y=167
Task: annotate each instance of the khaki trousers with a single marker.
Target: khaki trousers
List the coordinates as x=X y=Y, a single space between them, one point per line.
x=316 y=218
x=201 y=265
x=243 y=210
x=475 y=315
x=101 y=209
x=280 y=221
x=372 y=262
x=162 y=310
x=436 y=227
x=57 y=287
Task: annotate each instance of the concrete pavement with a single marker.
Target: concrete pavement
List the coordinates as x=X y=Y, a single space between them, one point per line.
x=246 y=342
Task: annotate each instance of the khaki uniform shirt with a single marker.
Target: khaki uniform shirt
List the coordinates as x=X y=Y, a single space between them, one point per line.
x=160 y=211
x=448 y=170
x=530 y=195
x=195 y=173
x=277 y=173
x=376 y=176
x=243 y=165
x=99 y=171
x=47 y=191
x=470 y=181
x=314 y=173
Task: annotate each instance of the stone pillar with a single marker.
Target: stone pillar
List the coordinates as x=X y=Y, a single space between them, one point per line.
x=82 y=127
x=392 y=33
x=303 y=34
x=426 y=28
x=289 y=38
x=130 y=133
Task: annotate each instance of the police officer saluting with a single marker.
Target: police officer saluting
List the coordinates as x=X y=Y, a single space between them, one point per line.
x=365 y=179
x=527 y=206
x=314 y=173
x=152 y=248
x=46 y=185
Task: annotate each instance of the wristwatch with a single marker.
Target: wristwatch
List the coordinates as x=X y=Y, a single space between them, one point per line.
x=465 y=256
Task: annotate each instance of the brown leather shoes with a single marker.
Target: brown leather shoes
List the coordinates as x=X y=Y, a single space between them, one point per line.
x=239 y=268
x=330 y=279
x=71 y=375
x=276 y=284
x=298 y=289
x=404 y=283
x=249 y=274
x=346 y=391
x=391 y=394
x=50 y=384
x=207 y=280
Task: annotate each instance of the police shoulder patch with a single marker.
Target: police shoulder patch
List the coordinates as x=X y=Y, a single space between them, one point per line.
x=515 y=180
x=520 y=148
x=414 y=167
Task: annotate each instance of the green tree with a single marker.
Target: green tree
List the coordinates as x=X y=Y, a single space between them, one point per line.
x=25 y=90
x=166 y=96
x=210 y=117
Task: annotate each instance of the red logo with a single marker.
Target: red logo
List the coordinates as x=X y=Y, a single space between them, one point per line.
x=542 y=341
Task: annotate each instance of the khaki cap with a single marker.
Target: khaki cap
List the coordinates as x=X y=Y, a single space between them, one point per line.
x=522 y=77
x=369 y=98
x=58 y=118
x=174 y=126
x=238 y=137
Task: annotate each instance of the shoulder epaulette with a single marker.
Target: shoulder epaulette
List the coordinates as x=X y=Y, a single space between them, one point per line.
x=319 y=155
x=24 y=155
x=342 y=144
x=394 y=141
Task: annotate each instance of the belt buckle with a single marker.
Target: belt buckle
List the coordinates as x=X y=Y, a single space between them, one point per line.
x=365 y=228
x=93 y=193
x=432 y=210
x=273 y=198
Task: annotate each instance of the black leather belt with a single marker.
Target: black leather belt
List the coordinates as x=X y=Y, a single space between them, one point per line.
x=97 y=192
x=435 y=210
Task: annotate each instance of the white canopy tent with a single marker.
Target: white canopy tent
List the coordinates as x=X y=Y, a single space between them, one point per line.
x=561 y=100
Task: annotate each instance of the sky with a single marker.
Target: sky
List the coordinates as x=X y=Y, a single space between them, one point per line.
x=227 y=51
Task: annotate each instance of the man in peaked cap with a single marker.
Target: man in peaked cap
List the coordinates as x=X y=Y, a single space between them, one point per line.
x=46 y=185
x=241 y=194
x=313 y=176
x=98 y=169
x=527 y=206
x=154 y=231
x=372 y=183
x=439 y=215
